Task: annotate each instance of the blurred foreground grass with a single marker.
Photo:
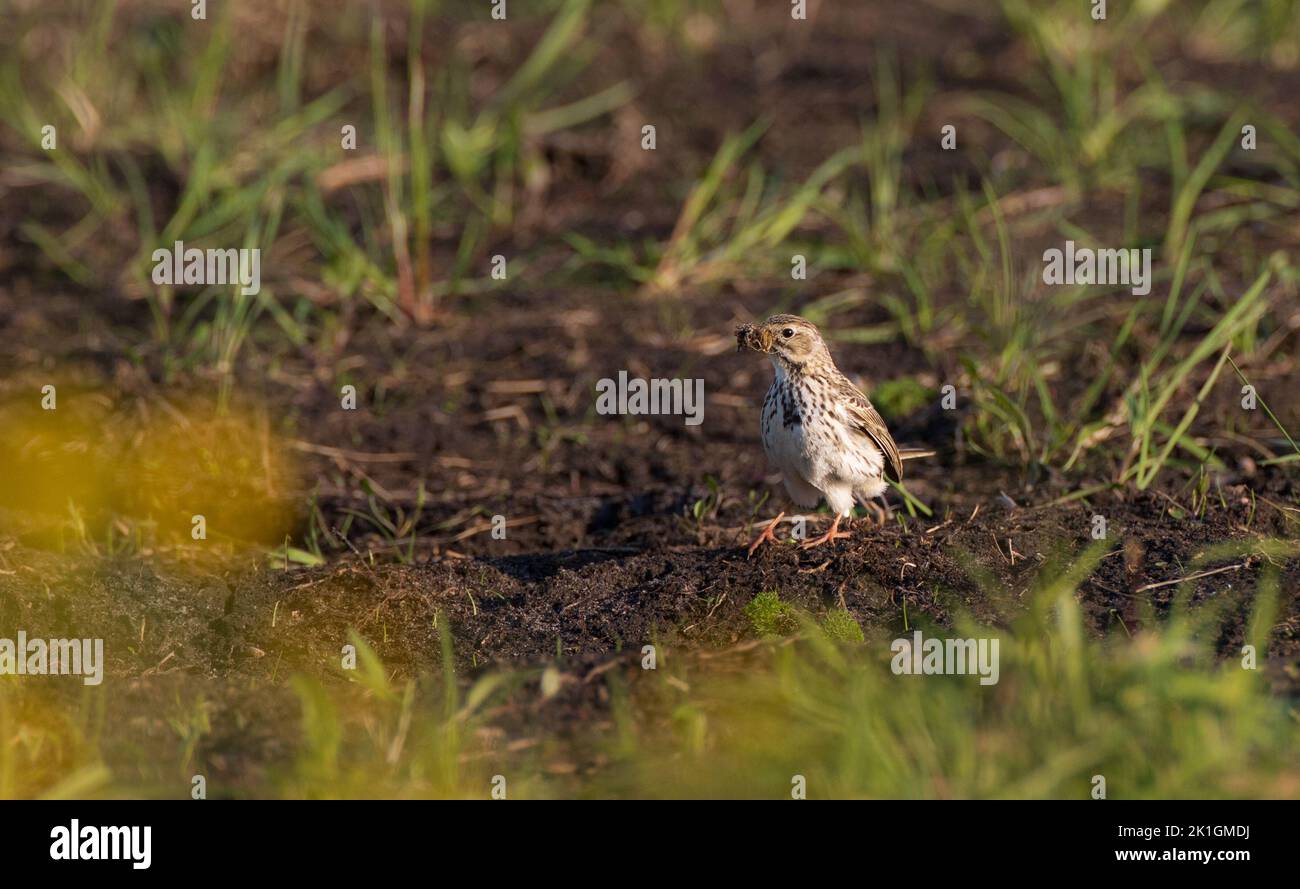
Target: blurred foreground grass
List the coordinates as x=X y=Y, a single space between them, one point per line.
x=172 y=130
x=1156 y=715
x=92 y=470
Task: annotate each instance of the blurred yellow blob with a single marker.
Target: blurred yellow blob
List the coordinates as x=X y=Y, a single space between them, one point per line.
x=78 y=465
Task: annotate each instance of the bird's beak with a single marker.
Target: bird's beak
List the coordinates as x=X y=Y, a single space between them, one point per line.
x=750 y=337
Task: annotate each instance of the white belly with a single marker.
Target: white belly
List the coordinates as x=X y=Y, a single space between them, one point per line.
x=820 y=456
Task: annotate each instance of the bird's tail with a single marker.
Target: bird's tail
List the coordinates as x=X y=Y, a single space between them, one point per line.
x=915 y=453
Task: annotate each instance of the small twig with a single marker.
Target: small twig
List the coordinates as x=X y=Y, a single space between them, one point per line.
x=487 y=526
x=354 y=456
x=603 y=668
x=1197 y=576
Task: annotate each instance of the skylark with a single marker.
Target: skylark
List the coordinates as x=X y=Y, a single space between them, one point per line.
x=818 y=429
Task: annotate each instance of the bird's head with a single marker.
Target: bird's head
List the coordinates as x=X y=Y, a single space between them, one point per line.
x=790 y=341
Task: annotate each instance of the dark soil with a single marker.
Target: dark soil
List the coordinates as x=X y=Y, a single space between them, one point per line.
x=492 y=412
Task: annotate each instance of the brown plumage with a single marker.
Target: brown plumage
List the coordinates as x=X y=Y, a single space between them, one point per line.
x=817 y=428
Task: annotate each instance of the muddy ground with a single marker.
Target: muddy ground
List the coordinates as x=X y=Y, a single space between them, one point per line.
x=603 y=552
x=492 y=411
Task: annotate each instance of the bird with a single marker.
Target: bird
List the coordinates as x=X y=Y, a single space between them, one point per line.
x=818 y=429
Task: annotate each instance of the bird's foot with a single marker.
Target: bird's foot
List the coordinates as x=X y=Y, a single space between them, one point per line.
x=766 y=535
x=882 y=514
x=833 y=533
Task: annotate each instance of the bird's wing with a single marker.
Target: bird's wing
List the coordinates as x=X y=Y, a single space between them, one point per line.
x=865 y=418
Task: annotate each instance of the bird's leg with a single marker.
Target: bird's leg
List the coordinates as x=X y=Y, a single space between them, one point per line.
x=767 y=534
x=833 y=534
x=881 y=513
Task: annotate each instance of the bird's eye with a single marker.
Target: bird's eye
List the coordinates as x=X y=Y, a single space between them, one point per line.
x=788 y=332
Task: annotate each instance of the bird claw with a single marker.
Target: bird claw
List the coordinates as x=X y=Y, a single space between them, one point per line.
x=834 y=533
x=827 y=538
x=766 y=535
x=882 y=514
